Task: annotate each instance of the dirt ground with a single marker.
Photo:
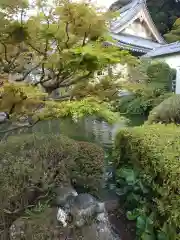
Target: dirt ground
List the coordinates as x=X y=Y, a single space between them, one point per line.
x=124 y=228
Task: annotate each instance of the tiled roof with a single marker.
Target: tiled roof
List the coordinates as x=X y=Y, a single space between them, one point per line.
x=129 y=12
x=164 y=50
x=131 y=48
x=136 y=41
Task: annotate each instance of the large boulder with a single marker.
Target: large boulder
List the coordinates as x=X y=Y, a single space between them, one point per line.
x=37 y=225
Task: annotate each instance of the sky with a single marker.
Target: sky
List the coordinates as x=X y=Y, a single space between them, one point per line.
x=104 y=3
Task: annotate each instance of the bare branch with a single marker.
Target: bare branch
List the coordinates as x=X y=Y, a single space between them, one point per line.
x=78 y=79
x=14 y=59
x=34 y=48
x=86 y=35
x=84 y=39
x=22 y=11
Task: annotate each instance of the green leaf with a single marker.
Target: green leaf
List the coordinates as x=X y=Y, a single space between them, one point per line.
x=121 y=191
x=162 y=236
x=141 y=223
x=128 y=174
x=143 y=188
x=147 y=236
x=132 y=215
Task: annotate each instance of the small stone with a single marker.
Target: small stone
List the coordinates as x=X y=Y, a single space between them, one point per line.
x=17 y=229
x=62 y=217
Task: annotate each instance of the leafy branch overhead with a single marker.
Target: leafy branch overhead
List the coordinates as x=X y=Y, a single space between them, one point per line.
x=61 y=44
x=57 y=50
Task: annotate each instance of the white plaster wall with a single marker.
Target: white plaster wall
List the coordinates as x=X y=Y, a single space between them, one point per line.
x=118 y=70
x=138 y=29
x=174 y=62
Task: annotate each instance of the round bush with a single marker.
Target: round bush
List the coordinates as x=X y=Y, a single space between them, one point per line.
x=160 y=74
x=167 y=111
x=31 y=165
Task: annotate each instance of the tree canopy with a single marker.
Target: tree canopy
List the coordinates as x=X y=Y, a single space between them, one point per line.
x=174 y=34
x=56 y=47
x=164 y=13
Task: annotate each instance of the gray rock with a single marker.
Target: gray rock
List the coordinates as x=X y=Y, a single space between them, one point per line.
x=3 y=117
x=99 y=230
x=64 y=193
x=83 y=208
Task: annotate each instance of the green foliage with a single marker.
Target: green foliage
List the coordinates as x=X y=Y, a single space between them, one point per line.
x=174 y=34
x=167 y=111
x=164 y=13
x=148 y=166
x=59 y=48
x=60 y=43
x=89 y=162
x=33 y=164
x=141 y=100
x=160 y=75
x=154 y=87
x=21 y=100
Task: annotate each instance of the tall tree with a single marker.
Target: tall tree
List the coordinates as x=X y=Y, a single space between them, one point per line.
x=58 y=47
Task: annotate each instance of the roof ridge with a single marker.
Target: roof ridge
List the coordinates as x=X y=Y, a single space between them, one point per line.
x=165 y=49
x=144 y=2
x=168 y=44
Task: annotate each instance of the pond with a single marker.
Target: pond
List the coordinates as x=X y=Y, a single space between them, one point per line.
x=89 y=129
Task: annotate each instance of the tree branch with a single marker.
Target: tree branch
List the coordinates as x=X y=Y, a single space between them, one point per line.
x=67 y=34
x=27 y=73
x=86 y=35
x=34 y=48
x=5 y=51
x=78 y=79
x=20 y=127
x=14 y=59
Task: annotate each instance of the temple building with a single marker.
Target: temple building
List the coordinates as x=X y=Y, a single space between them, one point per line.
x=135 y=31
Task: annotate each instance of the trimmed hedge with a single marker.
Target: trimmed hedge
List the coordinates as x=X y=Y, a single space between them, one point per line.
x=161 y=75
x=155 y=151
x=30 y=166
x=166 y=112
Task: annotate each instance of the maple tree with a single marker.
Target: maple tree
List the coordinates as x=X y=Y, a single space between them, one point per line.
x=56 y=50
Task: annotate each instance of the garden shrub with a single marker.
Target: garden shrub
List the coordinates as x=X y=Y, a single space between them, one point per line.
x=141 y=102
x=148 y=160
x=167 y=111
x=161 y=75
x=89 y=162
x=30 y=165
x=149 y=92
